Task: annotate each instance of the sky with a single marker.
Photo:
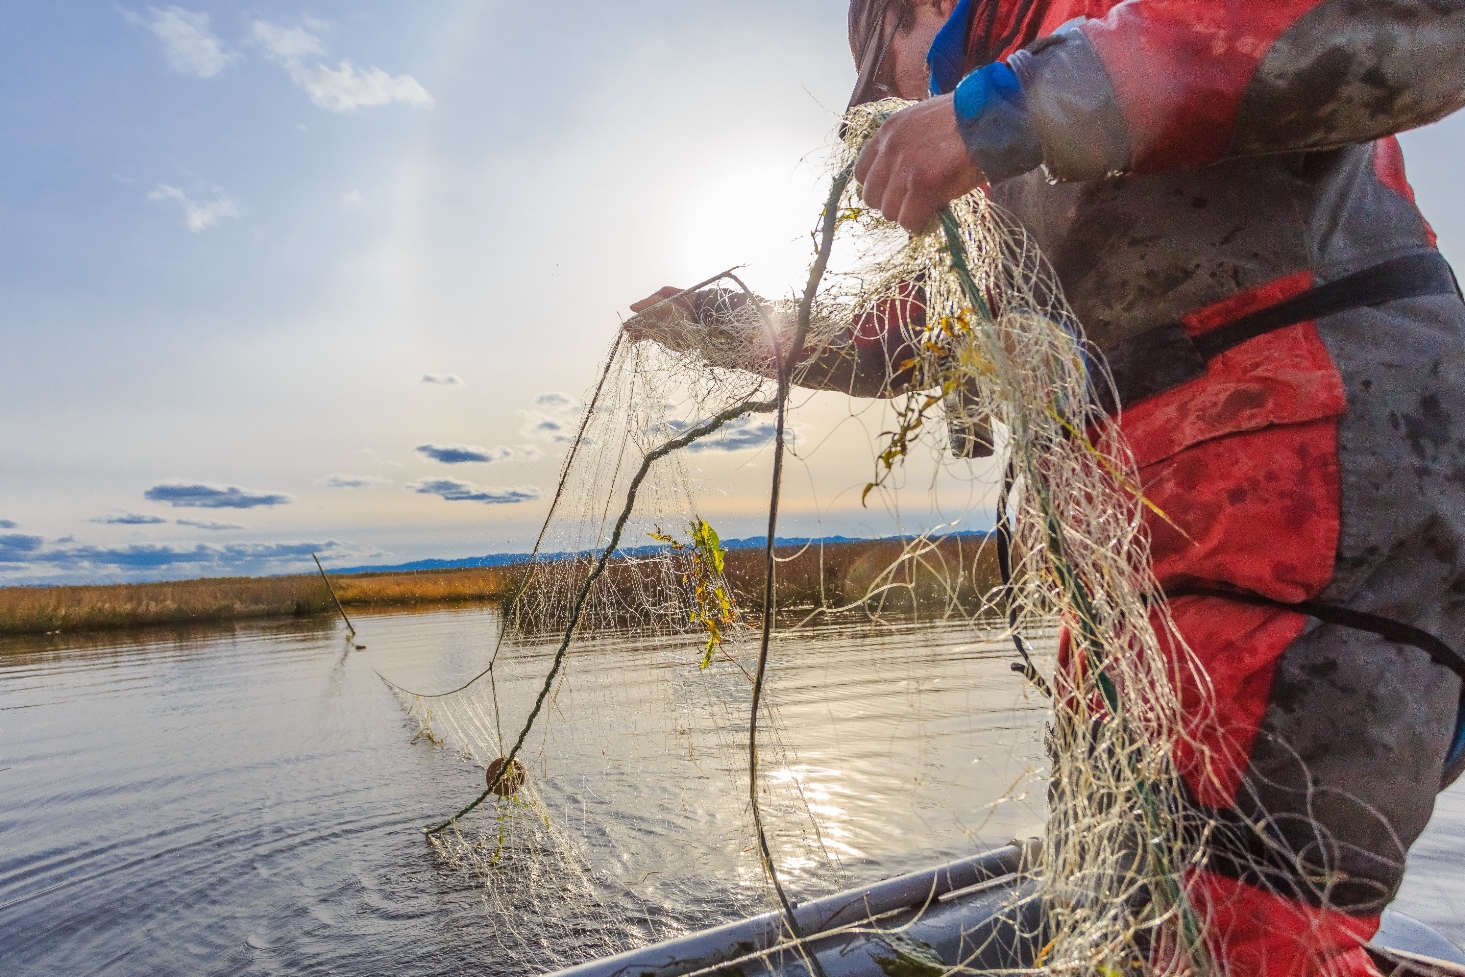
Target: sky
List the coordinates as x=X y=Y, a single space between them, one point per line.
x=280 y=278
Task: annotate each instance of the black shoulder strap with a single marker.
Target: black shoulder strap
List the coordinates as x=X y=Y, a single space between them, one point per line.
x=1412 y=276
x=1166 y=357
x=1396 y=631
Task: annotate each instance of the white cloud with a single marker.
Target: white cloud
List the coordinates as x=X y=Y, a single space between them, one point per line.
x=351 y=200
x=355 y=481
x=287 y=43
x=198 y=215
x=188 y=44
x=342 y=89
x=347 y=88
x=443 y=379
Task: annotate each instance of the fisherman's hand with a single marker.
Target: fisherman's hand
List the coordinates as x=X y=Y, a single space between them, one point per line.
x=659 y=320
x=916 y=164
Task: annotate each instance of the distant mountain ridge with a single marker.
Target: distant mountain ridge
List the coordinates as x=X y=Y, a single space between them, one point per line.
x=509 y=559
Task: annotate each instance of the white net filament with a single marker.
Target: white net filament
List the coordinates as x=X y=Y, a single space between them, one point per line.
x=996 y=355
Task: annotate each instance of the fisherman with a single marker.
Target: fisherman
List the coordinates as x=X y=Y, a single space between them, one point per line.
x=1221 y=195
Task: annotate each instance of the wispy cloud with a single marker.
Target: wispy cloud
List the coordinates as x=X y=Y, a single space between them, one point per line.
x=741 y=434
x=198 y=215
x=342 y=89
x=7 y=524
x=443 y=379
x=555 y=417
x=196 y=495
x=355 y=481
x=463 y=454
x=455 y=491
x=190 y=47
x=209 y=524
x=130 y=519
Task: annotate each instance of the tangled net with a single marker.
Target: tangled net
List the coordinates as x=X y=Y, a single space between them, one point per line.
x=998 y=359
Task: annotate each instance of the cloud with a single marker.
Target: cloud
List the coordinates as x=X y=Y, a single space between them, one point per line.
x=342 y=89
x=188 y=44
x=443 y=379
x=15 y=548
x=241 y=557
x=185 y=495
x=7 y=524
x=455 y=491
x=198 y=215
x=462 y=454
x=347 y=88
x=129 y=519
x=555 y=417
x=355 y=481
x=24 y=559
x=351 y=200
x=287 y=44
x=208 y=524
x=547 y=427
x=740 y=434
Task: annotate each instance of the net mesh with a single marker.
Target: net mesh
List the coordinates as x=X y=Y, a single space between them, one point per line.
x=627 y=565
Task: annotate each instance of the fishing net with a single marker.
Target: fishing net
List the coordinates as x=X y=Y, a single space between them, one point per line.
x=971 y=337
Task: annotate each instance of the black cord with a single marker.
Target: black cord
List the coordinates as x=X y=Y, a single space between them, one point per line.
x=1026 y=668
x=785 y=372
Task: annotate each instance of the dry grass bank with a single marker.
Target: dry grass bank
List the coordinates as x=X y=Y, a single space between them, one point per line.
x=42 y=610
x=885 y=575
x=425 y=587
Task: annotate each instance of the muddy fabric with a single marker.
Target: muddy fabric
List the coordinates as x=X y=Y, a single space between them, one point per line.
x=1203 y=161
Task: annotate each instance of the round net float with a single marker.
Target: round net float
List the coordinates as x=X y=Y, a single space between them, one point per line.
x=511 y=781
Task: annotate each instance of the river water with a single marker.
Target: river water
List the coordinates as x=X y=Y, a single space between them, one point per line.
x=249 y=800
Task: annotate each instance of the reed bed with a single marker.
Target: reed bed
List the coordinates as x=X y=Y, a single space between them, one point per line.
x=477 y=585
x=871 y=574
x=45 y=610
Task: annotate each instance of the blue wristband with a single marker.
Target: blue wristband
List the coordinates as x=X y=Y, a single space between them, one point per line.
x=992 y=115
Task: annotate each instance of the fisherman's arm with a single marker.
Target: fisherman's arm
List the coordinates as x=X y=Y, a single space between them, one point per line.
x=1170 y=84
x=1177 y=84
x=863 y=360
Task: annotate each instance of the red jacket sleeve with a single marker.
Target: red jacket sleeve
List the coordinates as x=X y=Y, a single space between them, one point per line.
x=1162 y=84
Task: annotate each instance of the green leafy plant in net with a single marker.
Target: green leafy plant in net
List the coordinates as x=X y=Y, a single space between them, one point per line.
x=713 y=607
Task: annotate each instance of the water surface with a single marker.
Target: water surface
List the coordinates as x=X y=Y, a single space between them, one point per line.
x=248 y=801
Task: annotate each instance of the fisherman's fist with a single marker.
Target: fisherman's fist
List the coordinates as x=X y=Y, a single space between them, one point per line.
x=916 y=164
x=665 y=322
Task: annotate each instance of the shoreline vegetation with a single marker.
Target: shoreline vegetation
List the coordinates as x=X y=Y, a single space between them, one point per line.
x=897 y=576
